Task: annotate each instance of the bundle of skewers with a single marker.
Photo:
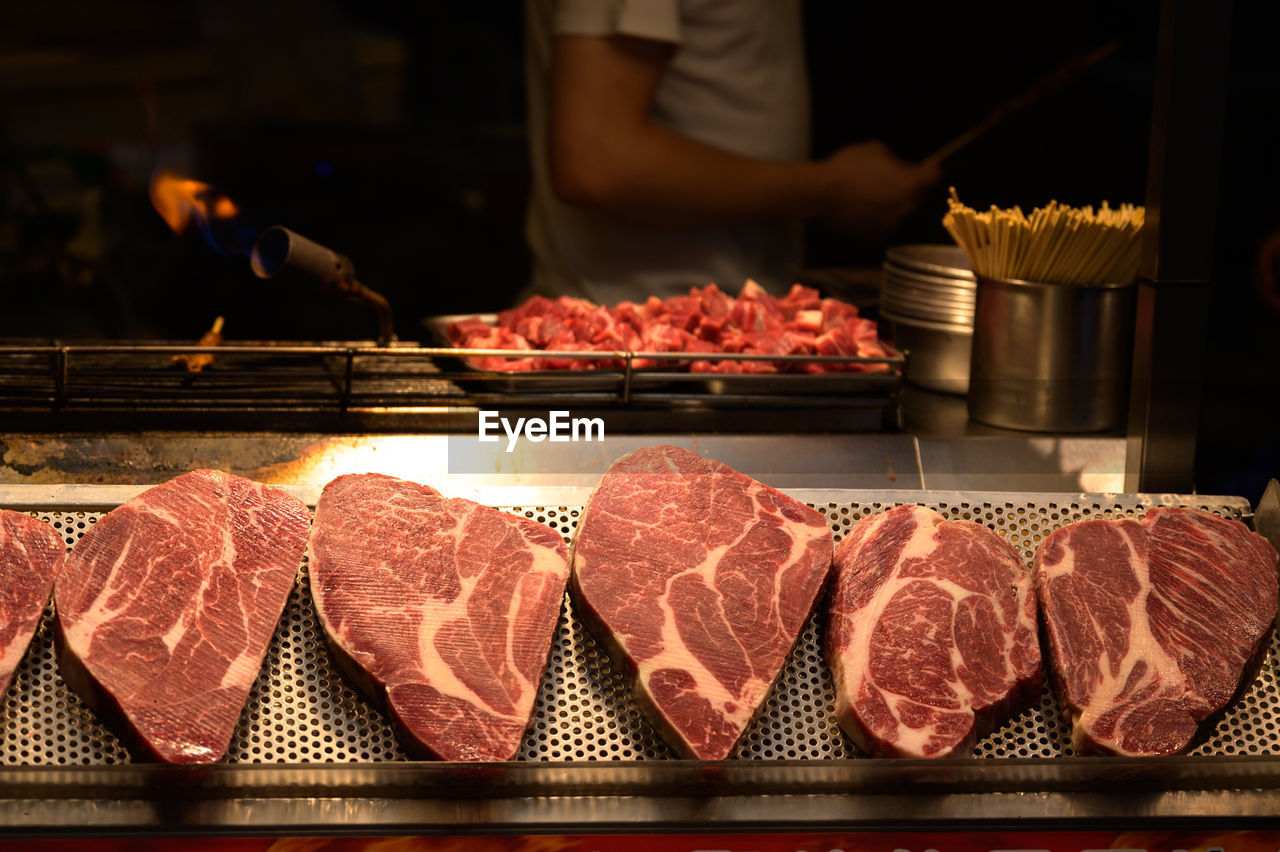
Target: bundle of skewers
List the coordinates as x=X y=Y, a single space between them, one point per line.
x=1056 y=244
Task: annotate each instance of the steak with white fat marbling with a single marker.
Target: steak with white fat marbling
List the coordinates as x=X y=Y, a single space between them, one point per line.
x=1152 y=623
x=167 y=604
x=31 y=555
x=700 y=580
x=444 y=607
x=931 y=634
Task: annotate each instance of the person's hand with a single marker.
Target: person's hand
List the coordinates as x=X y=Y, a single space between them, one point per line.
x=868 y=190
x=1266 y=271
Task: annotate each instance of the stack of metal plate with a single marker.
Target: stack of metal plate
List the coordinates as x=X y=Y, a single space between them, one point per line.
x=927 y=297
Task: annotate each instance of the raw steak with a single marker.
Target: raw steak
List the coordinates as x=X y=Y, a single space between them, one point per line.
x=699 y=579
x=31 y=554
x=932 y=633
x=1151 y=624
x=167 y=604
x=444 y=607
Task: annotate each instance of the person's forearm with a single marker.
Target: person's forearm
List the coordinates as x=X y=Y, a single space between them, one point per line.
x=608 y=156
x=653 y=175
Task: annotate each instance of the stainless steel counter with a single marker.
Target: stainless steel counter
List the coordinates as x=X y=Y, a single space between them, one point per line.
x=459 y=464
x=1232 y=776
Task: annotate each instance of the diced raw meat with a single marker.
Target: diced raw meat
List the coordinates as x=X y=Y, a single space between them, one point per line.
x=167 y=604
x=699 y=579
x=465 y=329
x=836 y=313
x=31 y=555
x=800 y=323
x=714 y=304
x=752 y=291
x=809 y=321
x=801 y=298
x=445 y=608
x=931 y=635
x=1151 y=623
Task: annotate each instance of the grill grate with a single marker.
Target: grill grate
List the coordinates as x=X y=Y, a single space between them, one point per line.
x=302 y=710
x=276 y=379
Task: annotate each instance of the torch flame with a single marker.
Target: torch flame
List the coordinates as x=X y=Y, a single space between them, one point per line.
x=180 y=199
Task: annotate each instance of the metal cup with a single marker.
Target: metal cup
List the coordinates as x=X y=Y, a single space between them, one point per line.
x=1051 y=357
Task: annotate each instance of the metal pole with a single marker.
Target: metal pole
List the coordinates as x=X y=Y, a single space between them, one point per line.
x=1177 y=251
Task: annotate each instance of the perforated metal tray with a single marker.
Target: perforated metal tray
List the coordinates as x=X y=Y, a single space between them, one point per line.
x=301 y=710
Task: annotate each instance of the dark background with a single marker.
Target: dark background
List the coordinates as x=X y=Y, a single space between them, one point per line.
x=394 y=133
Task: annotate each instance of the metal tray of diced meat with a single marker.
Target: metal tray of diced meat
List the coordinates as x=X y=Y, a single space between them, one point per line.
x=880 y=375
x=518 y=382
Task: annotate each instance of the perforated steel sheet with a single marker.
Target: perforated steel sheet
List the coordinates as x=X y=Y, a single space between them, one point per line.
x=302 y=710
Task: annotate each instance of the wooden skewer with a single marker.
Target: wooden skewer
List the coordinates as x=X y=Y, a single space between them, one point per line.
x=1056 y=243
x=1056 y=79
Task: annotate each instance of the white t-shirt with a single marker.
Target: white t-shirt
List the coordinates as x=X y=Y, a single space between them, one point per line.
x=737 y=80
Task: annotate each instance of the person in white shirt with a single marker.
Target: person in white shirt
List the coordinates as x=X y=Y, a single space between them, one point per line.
x=669 y=145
